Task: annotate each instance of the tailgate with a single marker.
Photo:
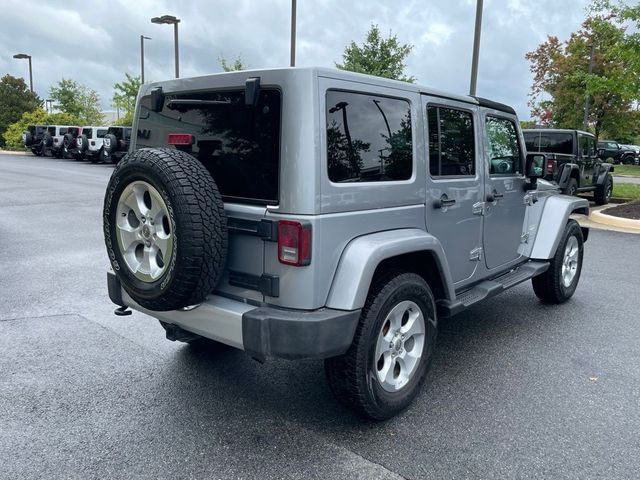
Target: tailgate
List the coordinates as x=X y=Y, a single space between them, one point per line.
x=244 y=267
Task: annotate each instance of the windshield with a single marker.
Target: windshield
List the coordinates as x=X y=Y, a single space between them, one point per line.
x=549 y=142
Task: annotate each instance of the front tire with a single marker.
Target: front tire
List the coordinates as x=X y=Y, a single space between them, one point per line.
x=386 y=365
x=559 y=282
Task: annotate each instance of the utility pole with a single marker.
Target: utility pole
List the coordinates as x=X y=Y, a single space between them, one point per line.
x=293 y=33
x=476 y=49
x=586 y=99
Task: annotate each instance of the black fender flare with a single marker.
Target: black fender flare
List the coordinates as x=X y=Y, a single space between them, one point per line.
x=605 y=169
x=566 y=173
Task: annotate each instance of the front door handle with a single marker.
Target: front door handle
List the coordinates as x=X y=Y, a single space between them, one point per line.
x=492 y=197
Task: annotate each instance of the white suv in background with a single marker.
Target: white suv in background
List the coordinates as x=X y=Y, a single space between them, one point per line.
x=91 y=141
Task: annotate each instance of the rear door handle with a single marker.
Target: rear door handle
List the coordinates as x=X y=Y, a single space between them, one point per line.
x=494 y=196
x=443 y=202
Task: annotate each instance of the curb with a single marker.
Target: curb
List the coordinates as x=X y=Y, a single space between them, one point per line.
x=11 y=152
x=604 y=219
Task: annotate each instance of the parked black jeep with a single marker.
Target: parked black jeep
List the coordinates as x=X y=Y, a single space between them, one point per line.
x=572 y=162
x=116 y=144
x=32 y=138
x=615 y=152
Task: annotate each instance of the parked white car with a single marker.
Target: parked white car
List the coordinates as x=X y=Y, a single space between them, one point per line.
x=91 y=141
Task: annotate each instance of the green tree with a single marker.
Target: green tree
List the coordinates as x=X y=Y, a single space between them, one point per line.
x=383 y=57
x=562 y=82
x=78 y=100
x=125 y=94
x=15 y=99
x=13 y=135
x=231 y=67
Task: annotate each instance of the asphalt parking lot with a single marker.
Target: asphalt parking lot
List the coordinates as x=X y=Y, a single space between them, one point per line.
x=517 y=389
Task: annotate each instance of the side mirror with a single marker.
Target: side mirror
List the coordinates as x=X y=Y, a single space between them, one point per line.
x=534 y=167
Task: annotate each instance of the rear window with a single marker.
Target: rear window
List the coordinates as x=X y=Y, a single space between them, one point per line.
x=63 y=130
x=101 y=132
x=115 y=131
x=549 y=142
x=238 y=144
x=88 y=132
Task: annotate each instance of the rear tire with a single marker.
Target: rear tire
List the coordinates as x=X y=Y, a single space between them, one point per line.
x=379 y=388
x=571 y=188
x=603 y=192
x=165 y=228
x=559 y=282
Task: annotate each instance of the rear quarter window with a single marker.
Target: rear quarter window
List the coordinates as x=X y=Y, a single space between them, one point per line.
x=369 y=137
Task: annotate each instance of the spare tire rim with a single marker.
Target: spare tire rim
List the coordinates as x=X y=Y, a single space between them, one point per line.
x=570 y=261
x=399 y=346
x=144 y=231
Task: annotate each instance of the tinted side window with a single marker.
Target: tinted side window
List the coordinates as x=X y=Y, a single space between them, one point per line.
x=592 y=147
x=504 y=149
x=451 y=142
x=52 y=130
x=584 y=146
x=368 y=138
x=101 y=132
x=63 y=131
x=542 y=141
x=88 y=132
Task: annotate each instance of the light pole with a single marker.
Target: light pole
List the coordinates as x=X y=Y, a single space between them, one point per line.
x=21 y=56
x=293 y=33
x=142 y=39
x=476 y=49
x=171 y=20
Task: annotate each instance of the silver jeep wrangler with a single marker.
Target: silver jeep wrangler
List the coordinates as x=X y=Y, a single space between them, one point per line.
x=315 y=213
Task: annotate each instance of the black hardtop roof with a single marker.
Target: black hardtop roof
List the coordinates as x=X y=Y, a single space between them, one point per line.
x=556 y=130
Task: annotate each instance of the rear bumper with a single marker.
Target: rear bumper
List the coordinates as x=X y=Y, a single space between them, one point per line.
x=263 y=332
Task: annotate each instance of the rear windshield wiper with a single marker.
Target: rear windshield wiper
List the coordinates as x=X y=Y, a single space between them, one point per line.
x=176 y=103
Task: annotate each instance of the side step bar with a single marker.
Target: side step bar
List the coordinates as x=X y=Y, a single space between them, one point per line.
x=489 y=288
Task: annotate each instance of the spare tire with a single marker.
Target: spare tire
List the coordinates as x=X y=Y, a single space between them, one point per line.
x=67 y=141
x=110 y=143
x=47 y=140
x=28 y=139
x=82 y=143
x=165 y=228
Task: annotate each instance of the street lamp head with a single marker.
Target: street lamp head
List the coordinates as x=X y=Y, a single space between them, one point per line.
x=21 y=55
x=145 y=38
x=165 y=19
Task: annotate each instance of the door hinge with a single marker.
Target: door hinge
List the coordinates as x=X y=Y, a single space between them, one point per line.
x=478 y=208
x=476 y=254
x=530 y=198
x=524 y=238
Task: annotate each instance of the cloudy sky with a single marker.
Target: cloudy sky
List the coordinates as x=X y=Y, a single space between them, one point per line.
x=96 y=42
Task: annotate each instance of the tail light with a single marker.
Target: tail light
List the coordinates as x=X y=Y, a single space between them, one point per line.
x=294 y=243
x=551 y=165
x=180 y=139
